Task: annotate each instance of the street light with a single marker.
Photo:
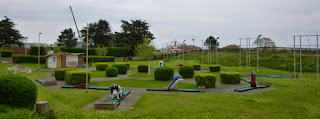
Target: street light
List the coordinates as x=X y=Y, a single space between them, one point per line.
x=39 y=54
x=258 y=42
x=309 y=43
x=183 y=49
x=193 y=44
x=217 y=50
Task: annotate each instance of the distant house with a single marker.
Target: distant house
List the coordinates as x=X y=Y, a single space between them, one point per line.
x=64 y=60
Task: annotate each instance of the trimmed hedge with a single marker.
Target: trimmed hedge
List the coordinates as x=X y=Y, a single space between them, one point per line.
x=6 y=53
x=101 y=66
x=230 y=77
x=128 y=65
x=186 y=71
x=17 y=91
x=91 y=51
x=214 y=68
x=111 y=71
x=99 y=58
x=59 y=74
x=143 y=68
x=34 y=50
x=117 y=51
x=122 y=68
x=76 y=77
x=163 y=73
x=197 y=67
x=27 y=59
x=206 y=80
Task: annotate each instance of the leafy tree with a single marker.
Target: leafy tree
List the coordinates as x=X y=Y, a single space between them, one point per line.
x=101 y=51
x=9 y=35
x=145 y=51
x=67 y=38
x=211 y=42
x=264 y=42
x=99 y=33
x=132 y=34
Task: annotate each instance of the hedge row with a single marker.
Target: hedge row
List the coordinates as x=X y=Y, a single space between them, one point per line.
x=59 y=74
x=101 y=66
x=27 y=59
x=117 y=51
x=142 y=68
x=6 y=53
x=34 y=50
x=76 y=77
x=111 y=71
x=206 y=80
x=230 y=77
x=17 y=91
x=91 y=51
x=197 y=67
x=214 y=68
x=100 y=58
x=122 y=68
x=163 y=73
x=186 y=71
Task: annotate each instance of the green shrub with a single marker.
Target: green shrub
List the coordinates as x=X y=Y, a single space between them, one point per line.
x=117 y=51
x=122 y=68
x=197 y=67
x=111 y=71
x=34 y=50
x=206 y=80
x=214 y=68
x=76 y=77
x=163 y=73
x=230 y=77
x=186 y=71
x=91 y=51
x=6 y=53
x=27 y=59
x=99 y=59
x=101 y=66
x=17 y=91
x=143 y=68
x=59 y=74
x=128 y=65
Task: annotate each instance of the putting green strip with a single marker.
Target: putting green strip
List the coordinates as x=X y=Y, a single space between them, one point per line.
x=183 y=90
x=40 y=80
x=124 y=92
x=68 y=86
x=250 y=88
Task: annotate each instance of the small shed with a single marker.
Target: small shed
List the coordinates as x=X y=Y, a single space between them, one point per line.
x=64 y=60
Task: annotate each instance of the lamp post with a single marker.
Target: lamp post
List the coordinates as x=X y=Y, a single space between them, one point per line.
x=39 y=54
x=309 y=43
x=258 y=42
x=202 y=51
x=217 y=50
x=183 y=49
x=193 y=44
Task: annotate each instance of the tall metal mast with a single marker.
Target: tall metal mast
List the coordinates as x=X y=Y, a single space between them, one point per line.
x=75 y=21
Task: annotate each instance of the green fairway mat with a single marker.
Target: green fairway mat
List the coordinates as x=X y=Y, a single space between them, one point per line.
x=40 y=80
x=250 y=88
x=182 y=90
x=89 y=87
x=115 y=100
x=68 y=86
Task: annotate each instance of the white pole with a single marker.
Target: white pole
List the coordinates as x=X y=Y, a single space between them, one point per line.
x=217 y=51
x=257 y=54
x=294 y=55
x=208 y=53
x=300 y=61
x=240 y=55
x=317 y=59
x=249 y=55
x=202 y=52
x=247 y=52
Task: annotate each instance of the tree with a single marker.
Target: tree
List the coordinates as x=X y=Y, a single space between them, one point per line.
x=67 y=38
x=213 y=41
x=9 y=35
x=264 y=42
x=99 y=33
x=132 y=34
x=145 y=51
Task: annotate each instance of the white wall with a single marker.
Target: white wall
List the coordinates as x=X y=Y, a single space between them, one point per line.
x=71 y=58
x=52 y=62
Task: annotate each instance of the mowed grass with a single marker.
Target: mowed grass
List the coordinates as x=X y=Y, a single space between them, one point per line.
x=3 y=67
x=33 y=65
x=141 y=83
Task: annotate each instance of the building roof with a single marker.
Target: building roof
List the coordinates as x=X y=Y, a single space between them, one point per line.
x=58 y=54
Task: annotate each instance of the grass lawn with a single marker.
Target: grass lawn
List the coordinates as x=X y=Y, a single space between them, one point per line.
x=97 y=74
x=3 y=67
x=141 y=83
x=33 y=65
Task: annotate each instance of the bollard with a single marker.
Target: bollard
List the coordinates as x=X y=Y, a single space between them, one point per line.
x=253 y=80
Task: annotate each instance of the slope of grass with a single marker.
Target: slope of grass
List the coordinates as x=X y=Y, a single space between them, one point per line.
x=33 y=65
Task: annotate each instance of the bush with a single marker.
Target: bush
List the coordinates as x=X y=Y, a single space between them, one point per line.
x=206 y=80
x=27 y=59
x=122 y=68
x=230 y=77
x=186 y=71
x=34 y=50
x=111 y=72
x=197 y=67
x=91 y=51
x=59 y=74
x=101 y=66
x=163 y=73
x=214 y=68
x=76 y=77
x=99 y=58
x=128 y=65
x=6 y=53
x=143 y=68
x=17 y=91
x=117 y=51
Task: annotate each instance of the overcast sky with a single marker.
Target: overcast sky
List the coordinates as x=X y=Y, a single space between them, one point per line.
x=172 y=19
